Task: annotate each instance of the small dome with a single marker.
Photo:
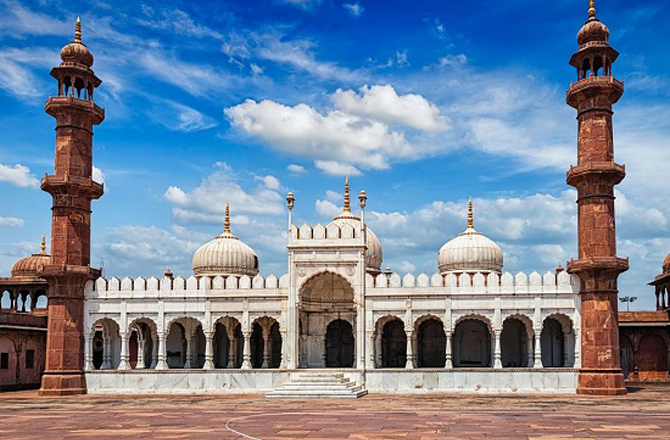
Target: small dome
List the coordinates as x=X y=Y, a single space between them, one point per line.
x=470 y=252
x=666 y=264
x=593 y=29
x=29 y=266
x=76 y=52
x=225 y=255
x=373 y=255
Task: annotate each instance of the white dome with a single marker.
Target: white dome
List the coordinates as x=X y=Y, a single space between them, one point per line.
x=373 y=255
x=225 y=255
x=470 y=252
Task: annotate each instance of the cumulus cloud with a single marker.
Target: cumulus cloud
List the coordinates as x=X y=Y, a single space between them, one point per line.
x=18 y=175
x=11 y=222
x=326 y=208
x=382 y=103
x=335 y=168
x=355 y=9
x=207 y=202
x=296 y=169
x=331 y=137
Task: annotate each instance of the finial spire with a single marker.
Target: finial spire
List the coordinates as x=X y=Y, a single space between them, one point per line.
x=77 y=31
x=43 y=245
x=347 y=201
x=592 y=10
x=470 y=215
x=226 y=223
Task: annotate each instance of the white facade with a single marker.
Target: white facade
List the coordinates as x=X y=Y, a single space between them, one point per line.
x=474 y=331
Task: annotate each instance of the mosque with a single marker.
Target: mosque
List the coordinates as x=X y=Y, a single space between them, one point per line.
x=336 y=324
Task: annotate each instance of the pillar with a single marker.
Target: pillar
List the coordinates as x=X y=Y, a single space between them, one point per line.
x=124 y=365
x=154 y=349
x=141 y=346
x=283 y=364
x=189 y=347
x=209 y=351
x=161 y=363
x=232 y=349
x=266 y=348
x=410 y=350
x=497 y=362
x=88 y=352
x=448 y=362
x=538 y=350
x=246 y=364
x=106 y=350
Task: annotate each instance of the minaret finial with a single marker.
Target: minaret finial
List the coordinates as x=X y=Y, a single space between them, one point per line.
x=592 y=9
x=77 y=31
x=43 y=245
x=347 y=201
x=226 y=223
x=470 y=215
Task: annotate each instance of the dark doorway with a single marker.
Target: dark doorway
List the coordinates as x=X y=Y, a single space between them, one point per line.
x=432 y=344
x=394 y=344
x=551 y=342
x=339 y=345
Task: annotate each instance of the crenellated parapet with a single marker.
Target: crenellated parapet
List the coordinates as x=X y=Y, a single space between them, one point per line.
x=317 y=235
x=179 y=287
x=550 y=282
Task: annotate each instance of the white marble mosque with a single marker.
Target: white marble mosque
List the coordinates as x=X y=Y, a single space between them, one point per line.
x=335 y=324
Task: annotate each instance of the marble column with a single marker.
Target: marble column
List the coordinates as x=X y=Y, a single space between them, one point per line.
x=246 y=364
x=530 y=355
x=189 y=348
x=410 y=350
x=154 y=350
x=266 y=349
x=232 y=350
x=106 y=351
x=566 y=347
x=497 y=355
x=161 y=362
x=124 y=365
x=141 y=345
x=538 y=350
x=209 y=351
x=447 y=352
x=371 y=351
x=88 y=352
x=283 y=364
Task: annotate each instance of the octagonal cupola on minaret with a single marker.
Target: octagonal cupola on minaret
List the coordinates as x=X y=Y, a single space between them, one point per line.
x=226 y=255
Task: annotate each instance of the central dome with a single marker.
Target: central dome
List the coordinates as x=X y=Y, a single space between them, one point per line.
x=225 y=255
x=373 y=254
x=470 y=252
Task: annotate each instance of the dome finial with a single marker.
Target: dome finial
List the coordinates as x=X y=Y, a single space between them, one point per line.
x=470 y=215
x=77 y=31
x=347 y=202
x=226 y=223
x=43 y=245
x=592 y=10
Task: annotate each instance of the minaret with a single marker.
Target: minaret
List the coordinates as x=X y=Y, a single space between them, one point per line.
x=594 y=177
x=72 y=189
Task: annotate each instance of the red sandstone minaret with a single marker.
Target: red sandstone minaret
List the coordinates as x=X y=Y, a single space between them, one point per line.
x=72 y=189
x=594 y=177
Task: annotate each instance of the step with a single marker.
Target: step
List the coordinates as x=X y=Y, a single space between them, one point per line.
x=324 y=384
x=315 y=394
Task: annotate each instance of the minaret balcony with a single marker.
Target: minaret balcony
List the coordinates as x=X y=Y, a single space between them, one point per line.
x=56 y=105
x=612 y=172
x=594 y=86
x=72 y=185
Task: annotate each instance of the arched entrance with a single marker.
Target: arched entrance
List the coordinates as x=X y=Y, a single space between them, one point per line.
x=652 y=358
x=339 y=344
x=514 y=343
x=626 y=352
x=431 y=344
x=552 y=344
x=393 y=344
x=324 y=299
x=472 y=344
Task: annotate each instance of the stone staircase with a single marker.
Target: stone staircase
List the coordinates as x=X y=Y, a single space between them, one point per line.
x=318 y=384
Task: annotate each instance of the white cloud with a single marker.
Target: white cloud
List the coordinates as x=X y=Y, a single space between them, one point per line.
x=303 y=4
x=18 y=175
x=16 y=76
x=179 y=117
x=296 y=169
x=333 y=196
x=208 y=200
x=11 y=222
x=452 y=60
x=405 y=267
x=334 y=138
x=98 y=175
x=382 y=103
x=355 y=9
x=326 y=208
x=175 y=21
x=335 y=168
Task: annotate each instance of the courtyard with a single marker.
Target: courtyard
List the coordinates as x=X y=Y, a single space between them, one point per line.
x=642 y=414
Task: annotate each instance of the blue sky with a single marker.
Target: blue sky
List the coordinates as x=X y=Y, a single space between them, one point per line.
x=423 y=104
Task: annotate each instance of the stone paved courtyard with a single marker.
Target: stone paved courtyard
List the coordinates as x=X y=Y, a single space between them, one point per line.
x=643 y=414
